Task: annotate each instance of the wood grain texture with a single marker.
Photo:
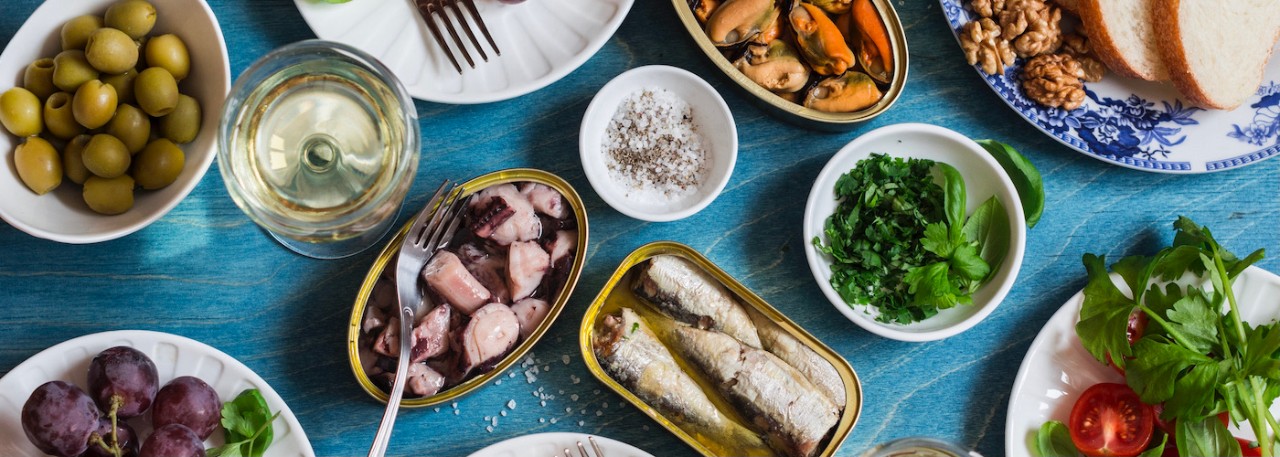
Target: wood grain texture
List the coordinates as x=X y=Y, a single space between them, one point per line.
x=205 y=271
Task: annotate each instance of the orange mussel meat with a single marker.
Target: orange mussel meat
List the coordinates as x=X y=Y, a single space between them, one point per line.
x=819 y=41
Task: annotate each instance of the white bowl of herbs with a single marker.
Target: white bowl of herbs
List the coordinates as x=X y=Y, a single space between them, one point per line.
x=916 y=233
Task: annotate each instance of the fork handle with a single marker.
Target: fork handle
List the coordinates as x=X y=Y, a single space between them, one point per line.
x=383 y=438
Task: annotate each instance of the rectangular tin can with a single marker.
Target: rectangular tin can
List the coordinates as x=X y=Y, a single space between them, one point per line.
x=616 y=294
x=393 y=247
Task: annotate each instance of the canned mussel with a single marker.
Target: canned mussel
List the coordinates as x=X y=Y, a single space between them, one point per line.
x=713 y=363
x=490 y=294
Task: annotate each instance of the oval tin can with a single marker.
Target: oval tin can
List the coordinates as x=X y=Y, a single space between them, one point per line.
x=392 y=248
x=616 y=294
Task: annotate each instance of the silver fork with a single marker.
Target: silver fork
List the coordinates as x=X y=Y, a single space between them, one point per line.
x=430 y=232
x=430 y=10
x=582 y=450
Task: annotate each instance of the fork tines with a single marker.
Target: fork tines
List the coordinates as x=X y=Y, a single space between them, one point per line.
x=430 y=10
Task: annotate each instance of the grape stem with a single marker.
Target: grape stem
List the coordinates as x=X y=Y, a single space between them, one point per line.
x=114 y=448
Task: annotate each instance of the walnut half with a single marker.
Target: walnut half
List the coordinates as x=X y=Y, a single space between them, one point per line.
x=981 y=42
x=1054 y=80
x=1077 y=46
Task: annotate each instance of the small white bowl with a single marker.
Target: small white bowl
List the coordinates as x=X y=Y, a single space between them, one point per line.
x=983 y=177
x=711 y=118
x=62 y=215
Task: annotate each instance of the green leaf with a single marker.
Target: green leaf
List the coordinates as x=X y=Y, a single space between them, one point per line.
x=247 y=422
x=1196 y=321
x=1133 y=270
x=1193 y=393
x=1104 y=316
x=954 y=197
x=1026 y=178
x=1206 y=437
x=1177 y=261
x=1155 y=367
x=937 y=240
x=1261 y=350
x=989 y=227
x=1054 y=440
x=968 y=265
x=1157 y=450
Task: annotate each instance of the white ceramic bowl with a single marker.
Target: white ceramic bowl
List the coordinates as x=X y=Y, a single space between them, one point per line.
x=983 y=177
x=711 y=117
x=62 y=215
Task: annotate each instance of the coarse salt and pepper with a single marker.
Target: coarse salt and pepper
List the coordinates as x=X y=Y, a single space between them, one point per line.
x=653 y=149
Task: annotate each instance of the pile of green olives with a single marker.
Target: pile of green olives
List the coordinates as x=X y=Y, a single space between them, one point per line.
x=106 y=112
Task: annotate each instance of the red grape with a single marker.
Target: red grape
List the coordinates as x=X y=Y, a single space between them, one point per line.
x=128 y=440
x=190 y=402
x=125 y=374
x=173 y=440
x=58 y=419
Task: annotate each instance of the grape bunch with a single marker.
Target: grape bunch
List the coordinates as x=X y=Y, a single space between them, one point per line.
x=61 y=419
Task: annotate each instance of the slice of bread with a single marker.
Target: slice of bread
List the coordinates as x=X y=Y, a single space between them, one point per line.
x=1122 y=35
x=1217 y=50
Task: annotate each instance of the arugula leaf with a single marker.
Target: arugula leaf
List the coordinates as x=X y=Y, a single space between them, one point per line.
x=1206 y=437
x=1026 y=179
x=1054 y=440
x=247 y=422
x=1104 y=316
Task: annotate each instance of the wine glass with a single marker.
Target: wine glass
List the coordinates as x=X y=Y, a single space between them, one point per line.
x=318 y=144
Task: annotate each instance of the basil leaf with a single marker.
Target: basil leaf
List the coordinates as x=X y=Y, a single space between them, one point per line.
x=1157 y=450
x=1054 y=440
x=953 y=197
x=1026 y=178
x=1206 y=437
x=989 y=227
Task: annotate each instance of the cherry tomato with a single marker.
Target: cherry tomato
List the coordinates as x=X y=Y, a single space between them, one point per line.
x=1108 y=420
x=1137 y=327
x=1248 y=449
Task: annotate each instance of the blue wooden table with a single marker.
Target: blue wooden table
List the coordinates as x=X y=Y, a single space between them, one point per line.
x=205 y=271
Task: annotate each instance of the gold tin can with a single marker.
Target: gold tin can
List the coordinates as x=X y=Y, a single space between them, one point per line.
x=612 y=295
x=797 y=113
x=393 y=247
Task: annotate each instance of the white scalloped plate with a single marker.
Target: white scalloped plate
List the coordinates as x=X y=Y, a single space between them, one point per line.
x=1057 y=369
x=1147 y=125
x=554 y=444
x=541 y=42
x=173 y=355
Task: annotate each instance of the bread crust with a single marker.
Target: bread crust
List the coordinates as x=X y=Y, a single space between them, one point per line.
x=1101 y=42
x=1175 y=57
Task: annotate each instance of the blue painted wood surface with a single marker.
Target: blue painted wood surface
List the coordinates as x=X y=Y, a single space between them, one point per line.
x=205 y=271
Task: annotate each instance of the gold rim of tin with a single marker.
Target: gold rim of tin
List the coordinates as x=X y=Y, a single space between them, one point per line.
x=853 y=386
x=897 y=40
x=393 y=246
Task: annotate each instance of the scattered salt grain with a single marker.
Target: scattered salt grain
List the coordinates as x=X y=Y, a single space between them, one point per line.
x=565 y=359
x=437 y=409
x=542 y=419
x=574 y=397
x=543 y=403
x=498 y=382
x=503 y=413
x=488 y=429
x=495 y=422
x=575 y=379
x=456 y=412
x=511 y=404
x=580 y=423
x=553 y=420
x=653 y=149
x=599 y=413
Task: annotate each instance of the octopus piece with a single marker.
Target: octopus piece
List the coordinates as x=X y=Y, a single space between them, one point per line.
x=431 y=336
x=491 y=219
x=526 y=265
x=374 y=318
x=563 y=246
x=423 y=381
x=384 y=294
x=388 y=342
x=489 y=269
x=492 y=331
x=446 y=275
x=545 y=200
x=530 y=312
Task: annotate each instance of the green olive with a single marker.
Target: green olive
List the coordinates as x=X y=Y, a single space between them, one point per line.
x=94 y=104
x=39 y=78
x=156 y=91
x=183 y=123
x=123 y=84
x=75 y=33
x=111 y=51
x=141 y=44
x=20 y=112
x=158 y=165
x=134 y=17
x=73 y=159
x=38 y=165
x=106 y=156
x=109 y=195
x=71 y=69
x=170 y=53
x=132 y=127
x=58 y=118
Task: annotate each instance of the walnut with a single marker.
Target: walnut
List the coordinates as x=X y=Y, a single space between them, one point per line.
x=981 y=42
x=1077 y=46
x=1054 y=80
x=1019 y=15
x=1043 y=34
x=987 y=8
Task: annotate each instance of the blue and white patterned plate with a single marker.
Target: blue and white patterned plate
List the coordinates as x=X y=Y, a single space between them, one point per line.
x=1147 y=126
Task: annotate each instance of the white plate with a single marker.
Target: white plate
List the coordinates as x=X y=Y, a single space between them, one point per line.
x=541 y=41
x=1057 y=368
x=983 y=177
x=173 y=355
x=554 y=444
x=1146 y=125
